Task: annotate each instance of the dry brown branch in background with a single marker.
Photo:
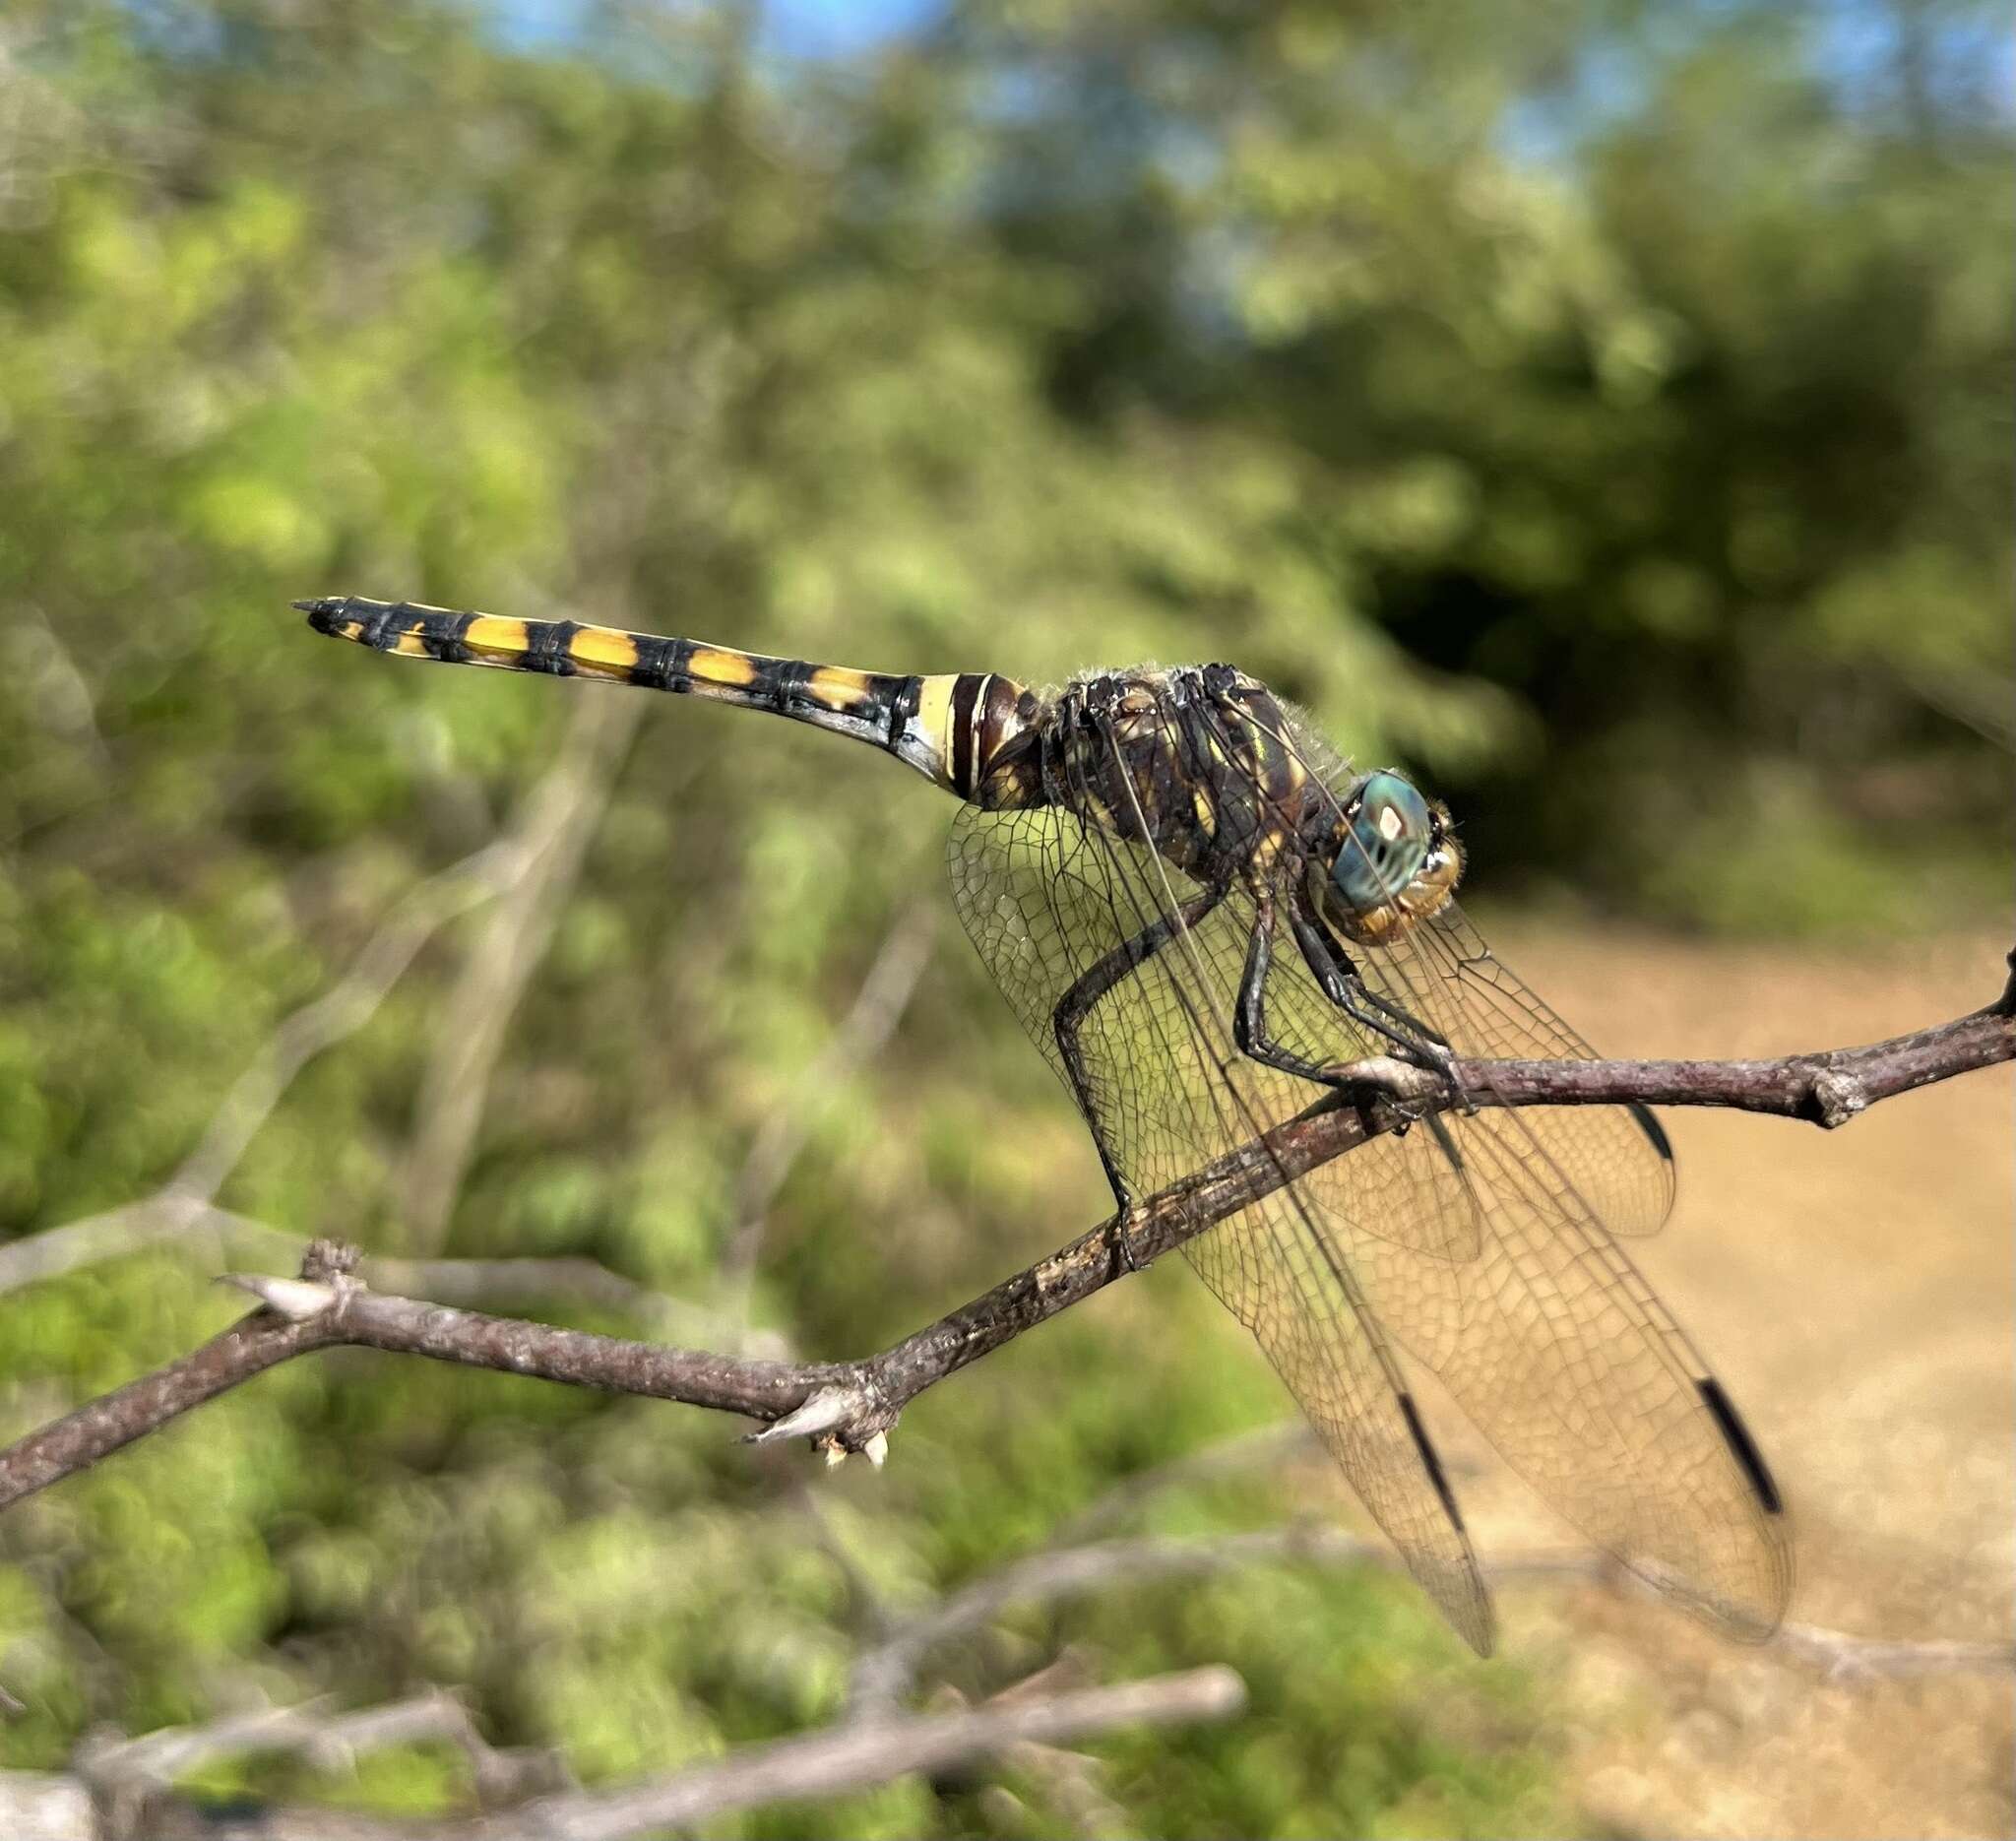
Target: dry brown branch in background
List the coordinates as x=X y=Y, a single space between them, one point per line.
x=129 y=1779
x=531 y=867
x=551 y=829
x=855 y=1755
x=184 y=1200
x=534 y=857
x=129 y=1782
x=118 y=1791
x=878 y=1007
x=882 y=1675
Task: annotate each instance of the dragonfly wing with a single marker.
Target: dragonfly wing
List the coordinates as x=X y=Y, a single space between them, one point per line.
x=1413 y=1189
x=1551 y=1340
x=1281 y=1277
x=1542 y=1328
x=1046 y=898
x=1548 y=1336
x=1562 y=1355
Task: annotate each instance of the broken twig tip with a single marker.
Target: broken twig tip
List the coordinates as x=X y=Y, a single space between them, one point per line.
x=294 y=1299
x=826 y=1410
x=1838 y=1098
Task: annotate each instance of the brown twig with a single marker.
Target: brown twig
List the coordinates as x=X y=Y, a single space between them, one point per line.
x=851 y=1406
x=513 y=1281
x=1827 y=1088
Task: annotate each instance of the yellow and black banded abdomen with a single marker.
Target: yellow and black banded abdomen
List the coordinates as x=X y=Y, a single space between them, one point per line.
x=950 y=728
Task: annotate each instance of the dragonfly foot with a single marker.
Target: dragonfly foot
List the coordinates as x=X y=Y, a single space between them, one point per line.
x=1444 y=1063
x=1120 y=1238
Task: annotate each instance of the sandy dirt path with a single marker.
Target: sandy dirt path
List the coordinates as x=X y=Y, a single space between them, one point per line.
x=1855 y=1290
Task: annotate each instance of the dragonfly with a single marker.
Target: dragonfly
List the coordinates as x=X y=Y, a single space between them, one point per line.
x=1208 y=919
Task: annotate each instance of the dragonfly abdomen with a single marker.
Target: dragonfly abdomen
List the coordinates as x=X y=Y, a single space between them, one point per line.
x=955 y=727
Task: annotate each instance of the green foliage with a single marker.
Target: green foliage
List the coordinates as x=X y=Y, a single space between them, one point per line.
x=1599 y=405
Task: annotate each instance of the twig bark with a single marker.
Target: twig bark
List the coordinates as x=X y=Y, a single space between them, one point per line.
x=851 y=1406
x=1826 y=1088
x=512 y=1281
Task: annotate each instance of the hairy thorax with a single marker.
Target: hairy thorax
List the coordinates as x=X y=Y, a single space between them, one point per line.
x=1191 y=762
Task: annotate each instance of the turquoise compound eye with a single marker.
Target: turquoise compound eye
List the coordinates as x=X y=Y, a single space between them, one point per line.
x=1385 y=844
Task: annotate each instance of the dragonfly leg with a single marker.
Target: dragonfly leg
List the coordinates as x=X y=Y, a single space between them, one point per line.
x=1249 y=1030
x=1338 y=977
x=1077 y=1004
x=1249 y=1017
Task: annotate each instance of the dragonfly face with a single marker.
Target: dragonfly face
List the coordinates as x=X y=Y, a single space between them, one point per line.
x=1392 y=860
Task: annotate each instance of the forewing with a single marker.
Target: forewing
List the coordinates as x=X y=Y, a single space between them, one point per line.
x=1048 y=899
x=1280 y=1275
x=1551 y=1340
x=1412 y=1189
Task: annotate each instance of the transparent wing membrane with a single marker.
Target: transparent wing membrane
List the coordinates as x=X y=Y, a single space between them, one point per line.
x=1615 y=1158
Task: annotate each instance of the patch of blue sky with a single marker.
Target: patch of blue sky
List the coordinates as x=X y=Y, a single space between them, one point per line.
x=814 y=30
x=833 y=29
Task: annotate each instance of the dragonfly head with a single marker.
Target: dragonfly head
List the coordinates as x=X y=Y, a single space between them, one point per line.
x=1393 y=860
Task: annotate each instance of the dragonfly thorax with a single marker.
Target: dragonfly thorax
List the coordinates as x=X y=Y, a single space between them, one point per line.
x=1194 y=762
